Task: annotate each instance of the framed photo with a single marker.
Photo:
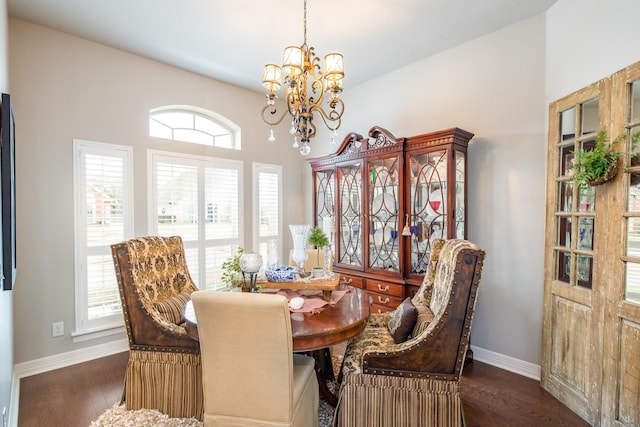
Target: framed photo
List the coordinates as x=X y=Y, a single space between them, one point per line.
x=8 y=176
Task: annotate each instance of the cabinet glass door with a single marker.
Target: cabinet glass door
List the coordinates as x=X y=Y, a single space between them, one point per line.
x=324 y=203
x=428 y=204
x=460 y=211
x=383 y=214
x=350 y=199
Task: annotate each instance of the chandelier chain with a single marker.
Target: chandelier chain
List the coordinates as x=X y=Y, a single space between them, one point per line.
x=305 y=22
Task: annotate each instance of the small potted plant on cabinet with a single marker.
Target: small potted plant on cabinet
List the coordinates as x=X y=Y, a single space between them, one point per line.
x=320 y=240
x=599 y=164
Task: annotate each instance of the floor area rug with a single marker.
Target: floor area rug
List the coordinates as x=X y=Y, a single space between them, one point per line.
x=118 y=416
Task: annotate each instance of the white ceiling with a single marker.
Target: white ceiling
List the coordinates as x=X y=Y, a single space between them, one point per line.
x=230 y=40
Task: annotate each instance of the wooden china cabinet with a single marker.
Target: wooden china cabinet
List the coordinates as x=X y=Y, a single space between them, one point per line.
x=384 y=199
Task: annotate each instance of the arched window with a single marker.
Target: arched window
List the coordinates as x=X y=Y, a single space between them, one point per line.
x=192 y=124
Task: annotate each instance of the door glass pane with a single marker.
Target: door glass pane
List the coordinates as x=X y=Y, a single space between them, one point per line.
x=563 y=266
x=564 y=231
x=635 y=101
x=568 y=124
x=634 y=192
x=585 y=270
x=634 y=147
x=632 y=292
x=586 y=199
x=585 y=233
x=566 y=160
x=350 y=199
x=590 y=120
x=633 y=237
x=383 y=214
x=566 y=196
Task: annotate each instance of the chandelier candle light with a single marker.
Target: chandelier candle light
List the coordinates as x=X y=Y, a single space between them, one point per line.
x=306 y=85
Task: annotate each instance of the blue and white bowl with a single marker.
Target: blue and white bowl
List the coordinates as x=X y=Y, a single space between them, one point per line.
x=281 y=273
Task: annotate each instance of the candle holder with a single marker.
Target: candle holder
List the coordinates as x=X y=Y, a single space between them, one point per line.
x=250 y=264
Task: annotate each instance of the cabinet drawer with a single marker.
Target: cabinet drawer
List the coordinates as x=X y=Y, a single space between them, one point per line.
x=385 y=300
x=387 y=288
x=355 y=281
x=377 y=308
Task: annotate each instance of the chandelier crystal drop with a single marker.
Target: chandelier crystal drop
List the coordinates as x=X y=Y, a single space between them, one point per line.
x=306 y=88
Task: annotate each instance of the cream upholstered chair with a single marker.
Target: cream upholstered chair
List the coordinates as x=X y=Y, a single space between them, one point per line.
x=416 y=382
x=250 y=375
x=164 y=370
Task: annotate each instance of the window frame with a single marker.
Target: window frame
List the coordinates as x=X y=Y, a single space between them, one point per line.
x=218 y=119
x=86 y=328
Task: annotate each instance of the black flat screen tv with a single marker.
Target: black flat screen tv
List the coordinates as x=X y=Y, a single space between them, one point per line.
x=8 y=176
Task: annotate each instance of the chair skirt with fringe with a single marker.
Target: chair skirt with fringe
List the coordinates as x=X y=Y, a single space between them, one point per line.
x=167 y=381
x=386 y=401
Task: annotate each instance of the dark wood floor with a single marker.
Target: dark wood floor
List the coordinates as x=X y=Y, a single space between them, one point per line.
x=77 y=395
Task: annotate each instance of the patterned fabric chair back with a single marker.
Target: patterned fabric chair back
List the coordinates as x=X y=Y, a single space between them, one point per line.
x=164 y=370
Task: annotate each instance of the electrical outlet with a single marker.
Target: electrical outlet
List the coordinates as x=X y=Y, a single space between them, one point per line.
x=57 y=329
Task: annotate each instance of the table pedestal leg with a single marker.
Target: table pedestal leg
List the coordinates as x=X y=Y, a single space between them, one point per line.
x=324 y=373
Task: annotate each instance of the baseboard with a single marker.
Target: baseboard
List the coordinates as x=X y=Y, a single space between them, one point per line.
x=62 y=360
x=508 y=363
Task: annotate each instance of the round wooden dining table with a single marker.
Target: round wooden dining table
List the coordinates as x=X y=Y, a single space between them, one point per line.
x=315 y=332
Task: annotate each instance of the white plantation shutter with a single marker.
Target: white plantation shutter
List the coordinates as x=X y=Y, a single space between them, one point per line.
x=199 y=199
x=177 y=200
x=221 y=203
x=102 y=181
x=267 y=185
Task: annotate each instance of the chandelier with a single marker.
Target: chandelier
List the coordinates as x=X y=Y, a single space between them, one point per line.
x=306 y=88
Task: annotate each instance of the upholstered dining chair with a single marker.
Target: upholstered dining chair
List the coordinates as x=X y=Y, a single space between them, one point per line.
x=404 y=368
x=164 y=370
x=250 y=375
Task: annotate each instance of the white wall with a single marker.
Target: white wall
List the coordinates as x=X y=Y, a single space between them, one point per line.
x=588 y=40
x=493 y=87
x=65 y=87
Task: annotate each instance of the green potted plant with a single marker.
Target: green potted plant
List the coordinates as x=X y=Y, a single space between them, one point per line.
x=320 y=240
x=231 y=271
x=599 y=164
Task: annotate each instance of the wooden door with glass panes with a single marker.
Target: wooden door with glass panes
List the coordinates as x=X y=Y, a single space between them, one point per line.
x=621 y=385
x=573 y=295
x=591 y=324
